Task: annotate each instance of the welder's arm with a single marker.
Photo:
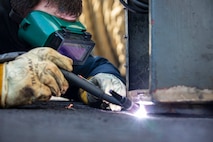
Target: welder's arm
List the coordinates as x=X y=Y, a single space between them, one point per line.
x=33 y=76
x=106 y=82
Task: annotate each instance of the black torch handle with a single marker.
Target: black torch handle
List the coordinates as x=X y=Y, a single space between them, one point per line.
x=89 y=87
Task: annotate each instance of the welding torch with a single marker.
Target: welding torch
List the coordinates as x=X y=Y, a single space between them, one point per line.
x=116 y=98
x=81 y=82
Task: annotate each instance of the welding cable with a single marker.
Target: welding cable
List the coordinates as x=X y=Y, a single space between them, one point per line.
x=141 y=4
x=137 y=7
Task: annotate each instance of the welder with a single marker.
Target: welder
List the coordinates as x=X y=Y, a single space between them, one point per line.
x=49 y=33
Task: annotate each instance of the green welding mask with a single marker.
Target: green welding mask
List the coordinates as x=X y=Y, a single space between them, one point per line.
x=68 y=38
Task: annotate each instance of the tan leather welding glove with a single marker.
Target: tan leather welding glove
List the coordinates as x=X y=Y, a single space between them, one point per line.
x=33 y=76
x=106 y=82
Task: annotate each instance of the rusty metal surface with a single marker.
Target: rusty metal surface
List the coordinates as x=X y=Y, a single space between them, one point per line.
x=183 y=94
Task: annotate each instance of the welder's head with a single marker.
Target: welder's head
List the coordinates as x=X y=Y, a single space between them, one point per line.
x=71 y=39
x=69 y=7
x=45 y=25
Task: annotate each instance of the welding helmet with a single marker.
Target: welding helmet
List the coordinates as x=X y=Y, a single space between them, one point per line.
x=69 y=38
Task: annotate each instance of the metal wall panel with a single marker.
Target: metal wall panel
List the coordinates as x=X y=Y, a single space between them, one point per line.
x=181 y=47
x=137 y=50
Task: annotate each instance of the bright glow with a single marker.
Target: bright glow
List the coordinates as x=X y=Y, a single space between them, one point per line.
x=141 y=112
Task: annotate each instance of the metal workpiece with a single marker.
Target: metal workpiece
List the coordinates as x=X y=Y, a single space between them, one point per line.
x=181 y=43
x=167 y=103
x=181 y=47
x=170 y=52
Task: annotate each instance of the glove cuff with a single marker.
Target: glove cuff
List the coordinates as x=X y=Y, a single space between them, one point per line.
x=89 y=99
x=3 y=85
x=83 y=96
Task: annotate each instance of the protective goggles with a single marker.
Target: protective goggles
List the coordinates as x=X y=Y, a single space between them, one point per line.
x=69 y=38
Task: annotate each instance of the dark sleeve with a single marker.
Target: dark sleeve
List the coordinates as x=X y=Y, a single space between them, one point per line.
x=96 y=64
x=91 y=67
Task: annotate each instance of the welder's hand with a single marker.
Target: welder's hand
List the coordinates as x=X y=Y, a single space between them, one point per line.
x=106 y=82
x=33 y=76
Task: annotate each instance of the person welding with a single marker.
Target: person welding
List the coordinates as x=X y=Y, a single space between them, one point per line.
x=52 y=38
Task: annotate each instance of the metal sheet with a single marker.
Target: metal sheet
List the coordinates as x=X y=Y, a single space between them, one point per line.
x=181 y=44
x=137 y=51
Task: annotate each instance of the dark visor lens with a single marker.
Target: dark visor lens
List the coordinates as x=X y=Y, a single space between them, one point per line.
x=75 y=46
x=74 y=51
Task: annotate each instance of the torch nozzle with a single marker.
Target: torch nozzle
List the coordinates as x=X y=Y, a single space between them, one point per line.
x=126 y=103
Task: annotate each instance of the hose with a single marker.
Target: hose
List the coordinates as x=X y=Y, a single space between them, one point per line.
x=136 y=6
